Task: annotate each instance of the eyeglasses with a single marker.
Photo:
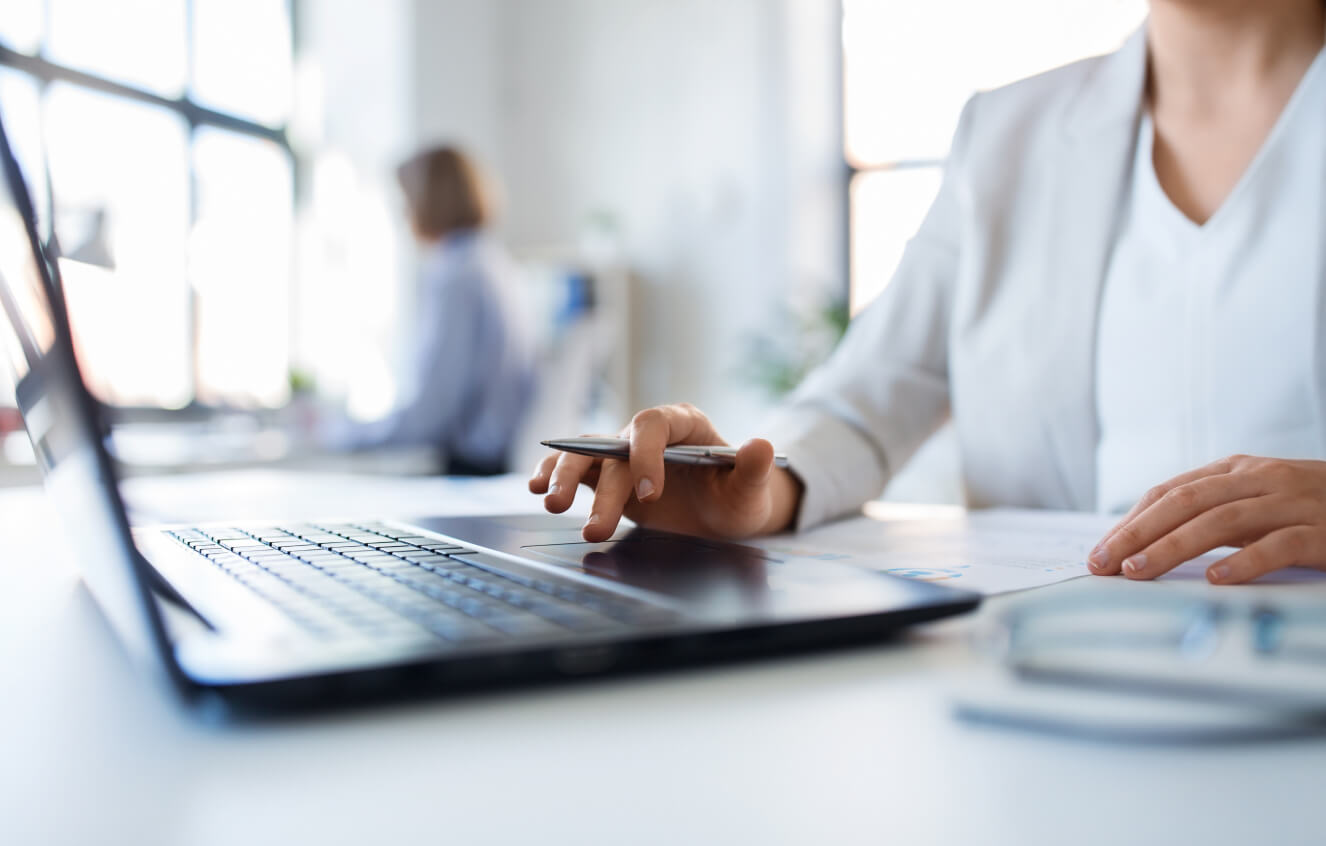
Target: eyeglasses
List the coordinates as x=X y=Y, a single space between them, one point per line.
x=1171 y=644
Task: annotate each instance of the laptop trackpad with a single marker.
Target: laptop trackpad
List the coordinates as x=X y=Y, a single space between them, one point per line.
x=733 y=583
x=684 y=567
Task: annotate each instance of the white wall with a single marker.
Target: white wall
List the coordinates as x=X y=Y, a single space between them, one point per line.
x=682 y=119
x=708 y=130
x=456 y=65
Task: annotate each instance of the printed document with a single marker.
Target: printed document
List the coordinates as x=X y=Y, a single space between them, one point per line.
x=990 y=552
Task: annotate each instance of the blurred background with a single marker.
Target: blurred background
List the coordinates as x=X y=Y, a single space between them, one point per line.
x=697 y=194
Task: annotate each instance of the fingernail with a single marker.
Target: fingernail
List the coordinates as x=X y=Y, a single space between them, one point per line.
x=593 y=520
x=644 y=489
x=1136 y=564
x=554 y=490
x=1098 y=558
x=1218 y=573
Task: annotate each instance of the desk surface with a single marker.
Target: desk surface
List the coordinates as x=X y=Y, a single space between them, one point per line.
x=852 y=746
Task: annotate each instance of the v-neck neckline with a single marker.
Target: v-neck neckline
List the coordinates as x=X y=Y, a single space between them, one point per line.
x=1146 y=156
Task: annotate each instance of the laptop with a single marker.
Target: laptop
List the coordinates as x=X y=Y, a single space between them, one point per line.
x=274 y=615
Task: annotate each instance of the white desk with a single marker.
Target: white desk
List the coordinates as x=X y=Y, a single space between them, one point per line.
x=853 y=746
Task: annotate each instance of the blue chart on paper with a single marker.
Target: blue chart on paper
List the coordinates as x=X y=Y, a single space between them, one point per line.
x=928 y=574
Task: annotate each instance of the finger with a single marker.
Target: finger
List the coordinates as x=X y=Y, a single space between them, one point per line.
x=538 y=483
x=1224 y=525
x=1302 y=546
x=1215 y=468
x=751 y=471
x=651 y=431
x=738 y=499
x=570 y=470
x=610 y=497
x=1171 y=510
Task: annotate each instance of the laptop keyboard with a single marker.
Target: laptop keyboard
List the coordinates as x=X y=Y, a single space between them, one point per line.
x=376 y=580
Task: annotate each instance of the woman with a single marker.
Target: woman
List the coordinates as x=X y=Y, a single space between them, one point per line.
x=472 y=369
x=1120 y=281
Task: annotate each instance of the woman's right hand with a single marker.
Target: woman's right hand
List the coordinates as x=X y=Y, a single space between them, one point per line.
x=750 y=498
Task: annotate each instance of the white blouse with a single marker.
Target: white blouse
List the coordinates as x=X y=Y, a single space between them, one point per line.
x=1207 y=342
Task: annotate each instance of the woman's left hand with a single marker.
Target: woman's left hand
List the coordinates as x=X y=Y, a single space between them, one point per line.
x=1274 y=509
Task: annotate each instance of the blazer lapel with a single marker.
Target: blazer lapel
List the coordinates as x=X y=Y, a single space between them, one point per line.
x=1100 y=128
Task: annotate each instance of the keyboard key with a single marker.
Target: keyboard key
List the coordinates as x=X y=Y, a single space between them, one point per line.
x=524 y=625
x=242 y=543
x=457 y=631
x=573 y=620
x=422 y=578
x=424 y=557
x=447 y=565
x=394 y=568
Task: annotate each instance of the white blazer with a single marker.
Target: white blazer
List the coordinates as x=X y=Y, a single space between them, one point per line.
x=991 y=316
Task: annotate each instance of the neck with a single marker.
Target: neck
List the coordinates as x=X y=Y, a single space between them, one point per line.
x=1206 y=54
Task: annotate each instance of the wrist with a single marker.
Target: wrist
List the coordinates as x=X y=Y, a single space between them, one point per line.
x=785 y=491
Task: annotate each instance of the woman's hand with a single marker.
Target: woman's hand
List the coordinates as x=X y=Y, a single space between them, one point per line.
x=1274 y=509
x=750 y=498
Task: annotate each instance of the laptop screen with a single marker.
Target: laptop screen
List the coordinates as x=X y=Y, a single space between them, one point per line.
x=61 y=421
x=28 y=334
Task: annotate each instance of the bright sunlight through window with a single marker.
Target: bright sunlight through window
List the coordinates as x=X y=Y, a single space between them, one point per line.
x=908 y=68
x=152 y=137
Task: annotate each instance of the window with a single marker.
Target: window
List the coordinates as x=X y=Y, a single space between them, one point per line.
x=152 y=134
x=908 y=68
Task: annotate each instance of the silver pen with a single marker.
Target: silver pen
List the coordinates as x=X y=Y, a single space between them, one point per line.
x=705 y=456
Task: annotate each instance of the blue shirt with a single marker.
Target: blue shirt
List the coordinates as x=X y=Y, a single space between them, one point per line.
x=471 y=373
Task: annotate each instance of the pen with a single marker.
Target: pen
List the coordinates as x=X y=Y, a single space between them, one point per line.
x=706 y=456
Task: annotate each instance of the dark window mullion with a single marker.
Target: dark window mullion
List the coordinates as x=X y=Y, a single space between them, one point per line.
x=45 y=72
x=49 y=71
x=902 y=164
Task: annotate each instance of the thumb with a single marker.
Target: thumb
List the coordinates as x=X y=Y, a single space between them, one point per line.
x=751 y=471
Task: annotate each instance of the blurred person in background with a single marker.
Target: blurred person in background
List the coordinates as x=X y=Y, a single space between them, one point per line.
x=471 y=372
x=1118 y=297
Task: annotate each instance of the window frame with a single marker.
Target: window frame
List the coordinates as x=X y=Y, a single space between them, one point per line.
x=852 y=170
x=195 y=115
x=1102 y=19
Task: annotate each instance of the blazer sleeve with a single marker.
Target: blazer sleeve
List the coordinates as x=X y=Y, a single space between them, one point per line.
x=866 y=411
